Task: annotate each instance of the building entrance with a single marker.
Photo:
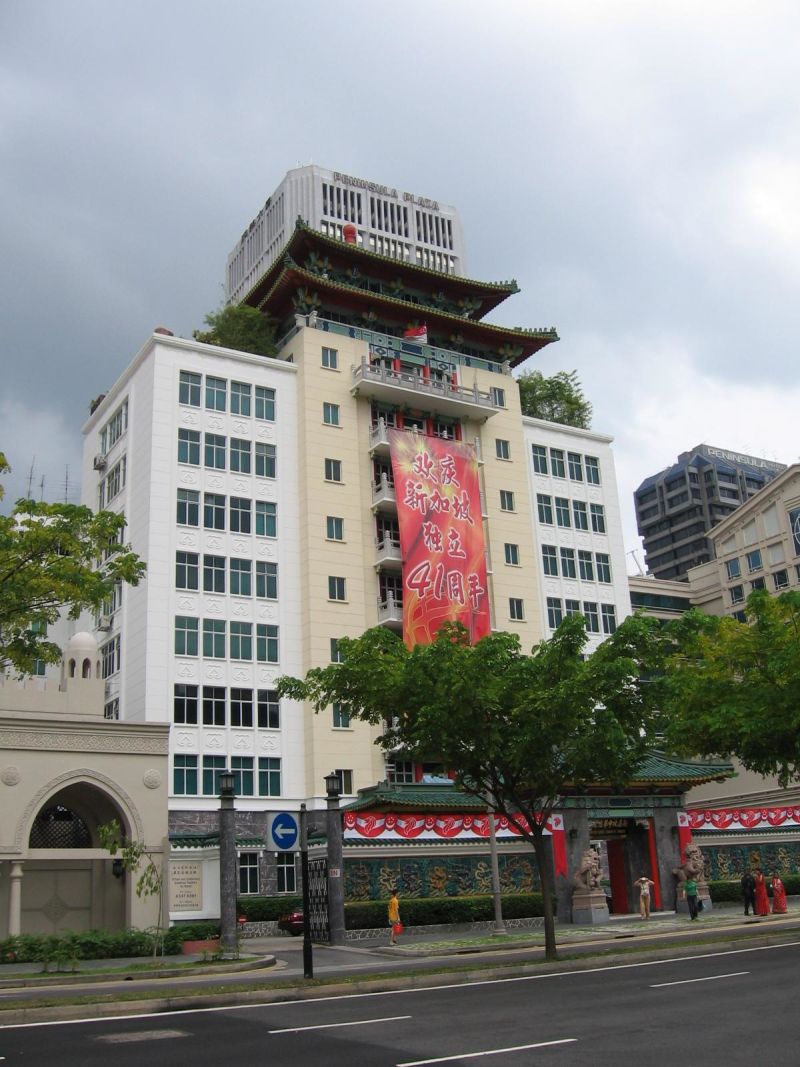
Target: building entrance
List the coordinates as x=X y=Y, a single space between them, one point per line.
x=627 y=852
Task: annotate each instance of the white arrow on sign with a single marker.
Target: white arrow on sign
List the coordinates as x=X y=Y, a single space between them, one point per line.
x=282 y=831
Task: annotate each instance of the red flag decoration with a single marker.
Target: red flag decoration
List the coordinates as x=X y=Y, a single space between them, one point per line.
x=417 y=333
x=441 y=536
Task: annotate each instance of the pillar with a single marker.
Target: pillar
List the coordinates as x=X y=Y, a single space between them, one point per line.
x=576 y=833
x=15 y=899
x=665 y=830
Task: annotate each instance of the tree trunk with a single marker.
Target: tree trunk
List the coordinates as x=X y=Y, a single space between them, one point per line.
x=545 y=877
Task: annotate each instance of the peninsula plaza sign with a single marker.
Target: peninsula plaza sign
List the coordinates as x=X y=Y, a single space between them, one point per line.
x=739 y=457
x=385 y=190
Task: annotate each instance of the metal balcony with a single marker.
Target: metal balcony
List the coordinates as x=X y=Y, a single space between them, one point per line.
x=408 y=389
x=388 y=554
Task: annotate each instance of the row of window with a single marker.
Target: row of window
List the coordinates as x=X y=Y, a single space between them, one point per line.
x=237 y=512
x=263 y=779
x=557 y=612
x=551 y=461
x=114 y=428
x=590 y=567
x=226 y=640
x=240 y=398
x=113 y=483
x=241 y=457
x=241 y=577
x=780 y=581
x=249 y=884
x=567 y=513
x=212 y=705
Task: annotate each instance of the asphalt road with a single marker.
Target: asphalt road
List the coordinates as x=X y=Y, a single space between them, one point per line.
x=720 y=1007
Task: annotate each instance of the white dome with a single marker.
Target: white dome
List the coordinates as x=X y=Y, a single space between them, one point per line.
x=82 y=644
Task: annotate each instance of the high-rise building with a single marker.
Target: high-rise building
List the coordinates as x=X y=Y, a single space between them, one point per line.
x=396 y=224
x=677 y=507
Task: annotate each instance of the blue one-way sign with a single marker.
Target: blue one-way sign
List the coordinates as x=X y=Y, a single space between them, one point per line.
x=284 y=832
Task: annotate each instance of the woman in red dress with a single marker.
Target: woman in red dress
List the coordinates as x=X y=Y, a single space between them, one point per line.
x=762 y=901
x=778 y=896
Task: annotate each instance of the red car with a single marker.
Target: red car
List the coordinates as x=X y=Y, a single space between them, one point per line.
x=292 y=922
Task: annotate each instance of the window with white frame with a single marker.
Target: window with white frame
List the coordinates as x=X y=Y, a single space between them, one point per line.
x=266 y=580
x=592 y=617
x=330 y=359
x=268 y=706
x=269 y=776
x=265 y=404
x=241 y=577
x=334 y=527
x=243 y=780
x=248 y=874
x=511 y=554
x=241 y=640
x=114 y=428
x=539 y=454
x=213 y=574
x=215 y=451
x=214 y=638
x=216 y=393
x=580 y=515
x=585 y=565
x=286 y=873
x=214 y=705
x=267 y=643
x=188 y=508
x=189 y=385
x=240 y=398
x=608 y=614
x=184 y=776
x=557 y=467
x=333 y=470
x=555 y=614
x=240 y=515
x=506 y=500
x=562 y=512
x=330 y=414
x=544 y=508
x=498 y=396
x=187 y=570
x=575 y=462
x=242 y=708
x=110 y=657
x=184 y=704
x=213 y=511
x=345 y=781
x=337 y=588
x=592 y=464
x=240 y=455
x=598 y=515
x=567 y=562
x=341 y=716
x=189 y=447
x=516 y=609
x=603 y=564
x=550 y=560
x=265 y=460
x=502 y=448
x=185 y=636
x=266 y=518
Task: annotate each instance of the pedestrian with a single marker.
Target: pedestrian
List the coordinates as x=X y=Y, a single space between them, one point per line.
x=778 y=895
x=393 y=915
x=690 y=887
x=644 y=884
x=749 y=891
x=762 y=900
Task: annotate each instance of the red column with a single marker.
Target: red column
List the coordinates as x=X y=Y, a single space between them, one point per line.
x=651 y=843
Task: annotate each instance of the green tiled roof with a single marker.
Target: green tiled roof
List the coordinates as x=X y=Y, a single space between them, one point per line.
x=657 y=767
x=416 y=797
x=211 y=841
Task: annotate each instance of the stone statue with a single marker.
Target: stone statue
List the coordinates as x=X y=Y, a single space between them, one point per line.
x=693 y=867
x=587 y=876
x=589 y=903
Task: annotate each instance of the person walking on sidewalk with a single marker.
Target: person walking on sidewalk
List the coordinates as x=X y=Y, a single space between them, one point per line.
x=749 y=891
x=644 y=884
x=762 y=900
x=691 y=896
x=393 y=914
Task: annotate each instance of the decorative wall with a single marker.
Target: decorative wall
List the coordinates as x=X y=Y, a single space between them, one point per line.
x=436 y=876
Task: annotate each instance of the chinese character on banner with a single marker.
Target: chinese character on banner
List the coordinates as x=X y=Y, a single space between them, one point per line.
x=441 y=536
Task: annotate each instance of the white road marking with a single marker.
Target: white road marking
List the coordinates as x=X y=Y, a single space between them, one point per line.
x=140 y=1035
x=332 y=1026
x=711 y=978
x=488 y=1052
x=430 y=990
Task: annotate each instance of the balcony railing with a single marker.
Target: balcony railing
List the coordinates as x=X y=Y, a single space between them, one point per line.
x=424 y=394
x=383 y=494
x=390 y=611
x=388 y=553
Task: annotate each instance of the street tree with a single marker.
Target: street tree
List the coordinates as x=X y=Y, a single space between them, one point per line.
x=515 y=729
x=55 y=557
x=733 y=688
x=558 y=398
x=243 y=328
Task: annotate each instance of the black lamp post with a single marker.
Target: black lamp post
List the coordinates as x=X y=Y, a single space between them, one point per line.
x=227 y=864
x=333 y=790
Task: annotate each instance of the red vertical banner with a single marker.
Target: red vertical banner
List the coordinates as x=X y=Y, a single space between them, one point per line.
x=441 y=536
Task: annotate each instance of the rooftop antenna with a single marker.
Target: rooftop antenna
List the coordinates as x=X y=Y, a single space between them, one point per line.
x=635 y=555
x=66 y=484
x=30 y=477
x=41 y=490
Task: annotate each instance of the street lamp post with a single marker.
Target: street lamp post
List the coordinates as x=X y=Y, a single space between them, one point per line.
x=227 y=865
x=333 y=790
x=308 y=954
x=499 y=925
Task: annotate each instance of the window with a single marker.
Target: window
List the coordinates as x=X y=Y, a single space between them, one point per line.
x=240 y=515
x=580 y=515
x=737 y=594
x=603 y=565
x=266 y=643
x=213 y=705
x=572 y=607
x=187 y=570
x=189 y=447
x=753 y=560
x=266 y=518
x=345 y=781
x=512 y=555
x=740 y=616
x=266 y=580
x=539 y=453
x=240 y=455
x=216 y=390
x=214 y=638
x=242 y=767
x=401 y=772
x=336 y=655
x=241 y=640
x=544 y=508
x=330 y=414
x=562 y=512
x=240 y=398
x=781 y=579
x=185 y=704
x=550 y=560
x=265 y=404
x=189 y=389
x=188 y=508
x=333 y=470
x=215 y=451
x=575 y=462
x=557 y=463
x=568 y=563
x=498 y=397
x=248 y=869
x=341 y=717
x=115 y=428
x=609 y=616
x=585 y=565
x=598 y=518
x=758 y=583
x=213 y=511
x=516 y=609
x=506 y=500
x=554 y=613
x=110 y=708
x=334 y=528
x=591 y=616
x=269 y=709
x=265 y=460
x=184 y=776
x=330 y=359
x=502 y=448
x=241 y=572
x=733 y=569
x=287 y=880
x=213 y=574
x=336 y=588
x=269 y=776
x=213 y=766
x=592 y=469
x=185 y=636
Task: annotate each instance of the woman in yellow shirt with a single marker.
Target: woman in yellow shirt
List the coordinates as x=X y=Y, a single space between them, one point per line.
x=393 y=914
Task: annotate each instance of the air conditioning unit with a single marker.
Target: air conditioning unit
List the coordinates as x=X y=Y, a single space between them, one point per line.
x=99 y=462
x=104 y=622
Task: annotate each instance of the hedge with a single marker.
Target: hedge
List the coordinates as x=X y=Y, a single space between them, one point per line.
x=266 y=909
x=732 y=891
x=88 y=945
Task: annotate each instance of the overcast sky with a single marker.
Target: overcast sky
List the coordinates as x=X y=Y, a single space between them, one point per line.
x=635 y=166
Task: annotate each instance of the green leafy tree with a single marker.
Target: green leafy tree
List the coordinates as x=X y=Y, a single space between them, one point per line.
x=54 y=557
x=245 y=329
x=516 y=729
x=733 y=688
x=556 y=399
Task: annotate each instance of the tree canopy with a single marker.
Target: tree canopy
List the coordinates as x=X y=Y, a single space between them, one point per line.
x=515 y=729
x=733 y=688
x=245 y=329
x=55 y=556
x=556 y=399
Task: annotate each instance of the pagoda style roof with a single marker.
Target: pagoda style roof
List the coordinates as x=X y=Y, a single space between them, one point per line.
x=211 y=840
x=658 y=769
x=417 y=797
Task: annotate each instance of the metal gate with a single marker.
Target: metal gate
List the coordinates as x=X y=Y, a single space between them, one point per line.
x=318 y=899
